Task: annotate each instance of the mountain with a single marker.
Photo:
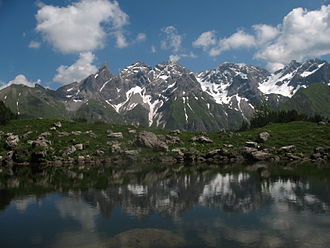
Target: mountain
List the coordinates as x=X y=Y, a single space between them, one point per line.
x=291 y=78
x=171 y=96
x=33 y=102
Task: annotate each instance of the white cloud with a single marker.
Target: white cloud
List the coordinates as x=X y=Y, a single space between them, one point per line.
x=153 y=49
x=238 y=40
x=121 y=41
x=141 y=37
x=177 y=57
x=172 y=40
x=205 y=40
x=80 y=27
x=174 y=58
x=21 y=80
x=34 y=44
x=82 y=68
x=303 y=34
x=265 y=33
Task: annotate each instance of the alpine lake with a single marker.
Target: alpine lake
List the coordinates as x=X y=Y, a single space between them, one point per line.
x=134 y=205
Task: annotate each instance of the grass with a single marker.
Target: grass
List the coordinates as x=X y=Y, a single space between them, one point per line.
x=304 y=135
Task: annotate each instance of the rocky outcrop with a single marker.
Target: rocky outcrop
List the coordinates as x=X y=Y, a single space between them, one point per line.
x=151 y=140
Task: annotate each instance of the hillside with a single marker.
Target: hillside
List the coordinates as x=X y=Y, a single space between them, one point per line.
x=66 y=141
x=313 y=100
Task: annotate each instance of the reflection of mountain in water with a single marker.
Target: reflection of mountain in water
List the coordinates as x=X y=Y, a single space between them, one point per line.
x=227 y=192
x=168 y=193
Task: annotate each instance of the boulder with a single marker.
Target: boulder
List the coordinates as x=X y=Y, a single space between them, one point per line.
x=115 y=148
x=63 y=134
x=170 y=140
x=57 y=124
x=263 y=137
x=79 y=146
x=76 y=132
x=45 y=134
x=24 y=136
x=177 y=151
x=175 y=132
x=12 y=140
x=201 y=139
x=131 y=131
x=41 y=141
x=151 y=140
x=69 y=150
x=117 y=135
x=261 y=156
x=290 y=149
x=131 y=153
x=251 y=144
x=91 y=134
x=99 y=152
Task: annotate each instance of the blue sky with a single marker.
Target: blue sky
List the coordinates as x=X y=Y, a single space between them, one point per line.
x=60 y=41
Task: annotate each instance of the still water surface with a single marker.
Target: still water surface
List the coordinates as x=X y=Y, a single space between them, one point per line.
x=177 y=210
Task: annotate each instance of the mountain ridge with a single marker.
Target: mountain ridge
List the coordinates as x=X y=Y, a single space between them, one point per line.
x=169 y=95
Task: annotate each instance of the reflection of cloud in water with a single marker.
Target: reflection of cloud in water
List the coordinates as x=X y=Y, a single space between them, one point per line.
x=21 y=204
x=296 y=194
x=79 y=210
x=304 y=230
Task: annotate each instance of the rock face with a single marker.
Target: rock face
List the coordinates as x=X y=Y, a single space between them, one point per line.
x=151 y=140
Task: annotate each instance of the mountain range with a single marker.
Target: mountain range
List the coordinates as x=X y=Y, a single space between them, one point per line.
x=171 y=96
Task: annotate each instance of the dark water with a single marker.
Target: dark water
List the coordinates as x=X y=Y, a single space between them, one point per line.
x=164 y=208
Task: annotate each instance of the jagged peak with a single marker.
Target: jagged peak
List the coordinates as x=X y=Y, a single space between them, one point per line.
x=136 y=67
x=104 y=68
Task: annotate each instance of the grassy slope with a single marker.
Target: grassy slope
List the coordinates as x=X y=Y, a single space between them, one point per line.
x=313 y=100
x=306 y=136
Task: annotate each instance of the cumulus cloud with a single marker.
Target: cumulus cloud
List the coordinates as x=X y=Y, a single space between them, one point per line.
x=265 y=33
x=82 y=68
x=238 y=40
x=34 y=44
x=172 y=40
x=80 y=27
x=205 y=40
x=302 y=34
x=21 y=80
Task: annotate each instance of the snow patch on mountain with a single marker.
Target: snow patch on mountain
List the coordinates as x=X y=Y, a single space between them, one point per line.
x=272 y=85
x=281 y=82
x=137 y=95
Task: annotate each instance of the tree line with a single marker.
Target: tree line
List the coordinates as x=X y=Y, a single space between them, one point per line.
x=264 y=115
x=6 y=114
